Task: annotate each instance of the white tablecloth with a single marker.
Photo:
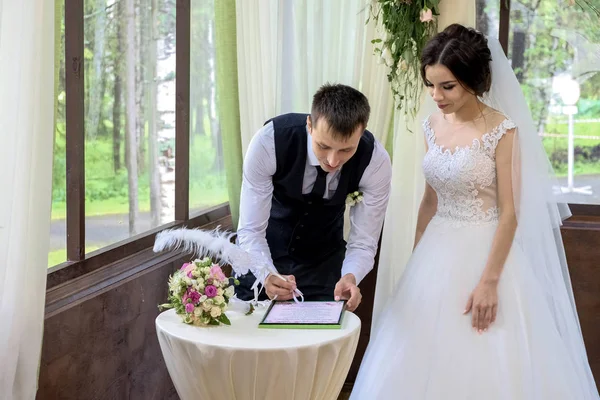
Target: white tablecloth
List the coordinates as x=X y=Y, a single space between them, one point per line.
x=241 y=361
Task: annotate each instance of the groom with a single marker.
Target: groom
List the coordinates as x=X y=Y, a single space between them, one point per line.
x=298 y=171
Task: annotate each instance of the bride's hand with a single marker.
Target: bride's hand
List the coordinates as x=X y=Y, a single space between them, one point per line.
x=483 y=304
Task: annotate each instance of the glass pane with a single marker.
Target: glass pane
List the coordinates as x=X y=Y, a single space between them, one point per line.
x=129 y=121
x=208 y=186
x=554 y=48
x=57 y=252
x=488 y=17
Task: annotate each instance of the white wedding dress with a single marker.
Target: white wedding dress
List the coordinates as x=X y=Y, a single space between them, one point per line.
x=423 y=347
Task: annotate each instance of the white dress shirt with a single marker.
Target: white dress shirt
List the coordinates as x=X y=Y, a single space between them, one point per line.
x=366 y=217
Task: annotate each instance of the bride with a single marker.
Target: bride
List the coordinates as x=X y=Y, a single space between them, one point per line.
x=484 y=309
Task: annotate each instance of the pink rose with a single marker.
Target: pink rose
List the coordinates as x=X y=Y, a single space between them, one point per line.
x=191 y=296
x=189 y=308
x=187 y=267
x=217 y=272
x=426 y=15
x=210 y=291
x=184 y=265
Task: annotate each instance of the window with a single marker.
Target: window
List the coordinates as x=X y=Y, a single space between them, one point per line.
x=129 y=69
x=208 y=186
x=554 y=48
x=124 y=116
x=57 y=252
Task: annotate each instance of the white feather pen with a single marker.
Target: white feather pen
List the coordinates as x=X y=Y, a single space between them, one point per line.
x=215 y=244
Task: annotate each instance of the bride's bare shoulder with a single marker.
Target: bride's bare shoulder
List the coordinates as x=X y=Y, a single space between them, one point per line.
x=435 y=117
x=494 y=116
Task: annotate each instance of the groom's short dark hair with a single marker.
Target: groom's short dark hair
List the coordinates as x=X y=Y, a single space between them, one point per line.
x=343 y=107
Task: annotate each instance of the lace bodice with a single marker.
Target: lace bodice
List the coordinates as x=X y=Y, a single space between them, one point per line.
x=465 y=178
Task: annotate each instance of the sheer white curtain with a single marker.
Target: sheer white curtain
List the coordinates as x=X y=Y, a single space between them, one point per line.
x=26 y=117
x=287 y=49
x=408 y=182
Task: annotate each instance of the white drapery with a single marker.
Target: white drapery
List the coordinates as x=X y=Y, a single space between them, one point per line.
x=288 y=49
x=408 y=182
x=26 y=117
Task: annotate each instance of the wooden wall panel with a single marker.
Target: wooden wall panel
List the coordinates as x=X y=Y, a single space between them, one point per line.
x=106 y=347
x=583 y=255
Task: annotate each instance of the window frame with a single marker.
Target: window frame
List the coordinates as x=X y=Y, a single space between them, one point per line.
x=78 y=262
x=586 y=216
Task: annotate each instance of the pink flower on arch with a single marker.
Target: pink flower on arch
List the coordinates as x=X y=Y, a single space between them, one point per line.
x=426 y=15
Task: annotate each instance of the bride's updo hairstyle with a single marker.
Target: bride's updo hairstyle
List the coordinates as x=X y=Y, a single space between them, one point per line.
x=465 y=52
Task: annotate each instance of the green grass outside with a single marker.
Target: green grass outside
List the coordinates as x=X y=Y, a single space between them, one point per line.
x=560 y=144
x=199 y=198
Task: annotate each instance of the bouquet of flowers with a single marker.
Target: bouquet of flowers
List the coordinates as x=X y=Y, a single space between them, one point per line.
x=200 y=293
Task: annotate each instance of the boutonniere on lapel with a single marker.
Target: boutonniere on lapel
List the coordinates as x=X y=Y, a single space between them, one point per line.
x=354 y=198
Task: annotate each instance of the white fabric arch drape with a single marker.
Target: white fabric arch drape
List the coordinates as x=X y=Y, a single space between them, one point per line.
x=408 y=182
x=288 y=49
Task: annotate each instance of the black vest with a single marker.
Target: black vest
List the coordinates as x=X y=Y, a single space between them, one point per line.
x=300 y=227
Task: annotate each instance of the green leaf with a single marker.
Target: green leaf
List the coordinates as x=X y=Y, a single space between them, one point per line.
x=376 y=41
x=223 y=318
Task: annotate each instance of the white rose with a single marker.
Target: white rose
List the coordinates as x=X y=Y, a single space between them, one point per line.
x=229 y=291
x=187 y=281
x=219 y=292
x=215 y=312
x=200 y=281
x=203 y=298
x=403 y=66
x=197 y=311
x=387 y=57
x=219 y=300
x=206 y=306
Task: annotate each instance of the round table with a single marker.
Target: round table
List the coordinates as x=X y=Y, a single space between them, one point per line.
x=242 y=361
